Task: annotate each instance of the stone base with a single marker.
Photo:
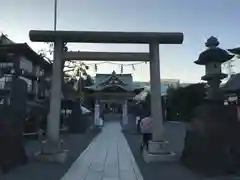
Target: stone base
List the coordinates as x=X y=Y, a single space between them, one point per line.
x=52 y=152
x=157 y=146
x=148 y=157
x=157 y=153
x=124 y=128
x=59 y=157
x=98 y=127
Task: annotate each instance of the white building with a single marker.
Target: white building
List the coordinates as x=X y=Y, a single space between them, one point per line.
x=165 y=84
x=20 y=58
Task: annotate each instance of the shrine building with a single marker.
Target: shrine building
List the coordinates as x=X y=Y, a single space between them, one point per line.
x=112 y=93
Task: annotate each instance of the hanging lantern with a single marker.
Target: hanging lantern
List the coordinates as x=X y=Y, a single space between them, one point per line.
x=65 y=49
x=95 y=67
x=121 y=69
x=78 y=73
x=133 y=67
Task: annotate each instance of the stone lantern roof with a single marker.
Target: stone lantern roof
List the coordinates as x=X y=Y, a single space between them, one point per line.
x=213 y=53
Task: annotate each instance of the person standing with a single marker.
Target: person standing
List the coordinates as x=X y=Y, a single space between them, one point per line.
x=146 y=130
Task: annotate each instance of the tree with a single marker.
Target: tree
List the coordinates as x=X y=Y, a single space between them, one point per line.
x=182 y=101
x=74 y=73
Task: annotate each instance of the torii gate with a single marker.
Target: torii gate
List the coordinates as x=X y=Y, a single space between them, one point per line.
x=151 y=38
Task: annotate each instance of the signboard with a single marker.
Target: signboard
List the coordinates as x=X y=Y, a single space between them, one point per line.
x=6 y=65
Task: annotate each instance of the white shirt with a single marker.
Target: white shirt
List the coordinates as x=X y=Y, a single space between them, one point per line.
x=146 y=125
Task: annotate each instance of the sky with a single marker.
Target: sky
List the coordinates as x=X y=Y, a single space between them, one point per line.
x=198 y=20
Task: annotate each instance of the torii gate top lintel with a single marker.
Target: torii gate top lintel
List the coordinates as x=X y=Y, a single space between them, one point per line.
x=107 y=37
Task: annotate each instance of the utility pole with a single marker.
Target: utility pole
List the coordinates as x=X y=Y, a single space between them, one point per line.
x=55 y=15
x=80 y=84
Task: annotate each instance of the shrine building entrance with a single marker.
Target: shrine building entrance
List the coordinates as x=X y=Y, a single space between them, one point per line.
x=112 y=92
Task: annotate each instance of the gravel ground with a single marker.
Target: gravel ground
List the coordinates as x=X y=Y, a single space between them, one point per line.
x=174 y=133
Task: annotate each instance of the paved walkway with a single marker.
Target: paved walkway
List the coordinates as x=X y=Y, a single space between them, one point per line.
x=108 y=157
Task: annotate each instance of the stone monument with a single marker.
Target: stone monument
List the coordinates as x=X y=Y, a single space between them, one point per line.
x=78 y=123
x=210 y=148
x=12 y=118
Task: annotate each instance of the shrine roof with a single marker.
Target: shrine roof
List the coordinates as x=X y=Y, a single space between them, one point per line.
x=122 y=81
x=233 y=84
x=5 y=40
x=131 y=87
x=235 y=50
x=25 y=50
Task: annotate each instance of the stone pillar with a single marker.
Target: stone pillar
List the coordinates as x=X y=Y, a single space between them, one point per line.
x=125 y=113
x=53 y=124
x=156 y=151
x=155 y=84
x=96 y=113
x=51 y=150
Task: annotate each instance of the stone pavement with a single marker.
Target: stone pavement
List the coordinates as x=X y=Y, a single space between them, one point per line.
x=108 y=157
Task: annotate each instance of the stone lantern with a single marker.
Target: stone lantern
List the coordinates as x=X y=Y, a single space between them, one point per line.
x=213 y=58
x=209 y=145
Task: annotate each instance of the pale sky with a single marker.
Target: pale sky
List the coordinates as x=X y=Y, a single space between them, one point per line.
x=198 y=20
